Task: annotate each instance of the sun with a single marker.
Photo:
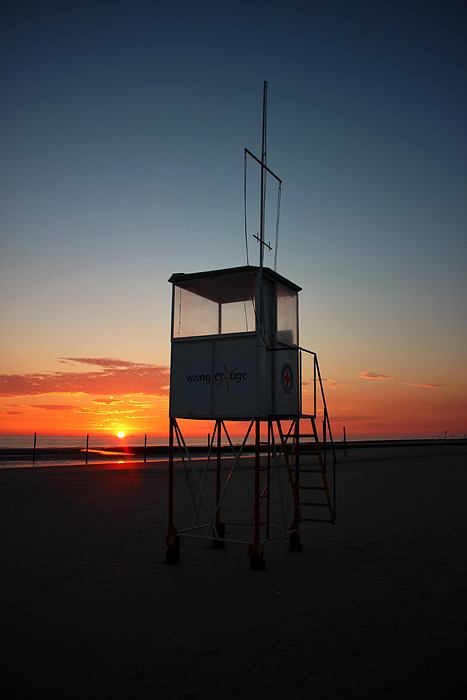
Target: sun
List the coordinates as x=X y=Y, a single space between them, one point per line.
x=121 y=434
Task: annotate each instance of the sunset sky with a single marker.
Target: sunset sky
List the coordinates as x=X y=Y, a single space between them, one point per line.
x=123 y=131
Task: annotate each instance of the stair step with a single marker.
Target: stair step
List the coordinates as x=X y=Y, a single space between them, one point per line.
x=318 y=505
x=310 y=471
x=311 y=488
x=317 y=520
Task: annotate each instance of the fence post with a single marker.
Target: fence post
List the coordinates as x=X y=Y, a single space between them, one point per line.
x=34 y=449
x=145 y=443
x=345 y=444
x=87 y=446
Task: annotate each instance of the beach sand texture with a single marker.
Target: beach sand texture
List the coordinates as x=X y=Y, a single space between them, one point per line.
x=374 y=606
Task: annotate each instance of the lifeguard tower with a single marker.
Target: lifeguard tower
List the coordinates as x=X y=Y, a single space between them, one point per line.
x=236 y=359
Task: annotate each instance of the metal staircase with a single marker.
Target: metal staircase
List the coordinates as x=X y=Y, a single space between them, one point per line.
x=311 y=462
x=316 y=493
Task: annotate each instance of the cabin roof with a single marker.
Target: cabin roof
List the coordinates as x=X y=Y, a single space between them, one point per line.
x=229 y=284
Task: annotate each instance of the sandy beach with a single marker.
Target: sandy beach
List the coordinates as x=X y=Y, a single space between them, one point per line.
x=373 y=607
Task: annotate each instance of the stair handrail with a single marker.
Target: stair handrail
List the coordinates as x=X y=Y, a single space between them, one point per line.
x=316 y=371
x=316 y=379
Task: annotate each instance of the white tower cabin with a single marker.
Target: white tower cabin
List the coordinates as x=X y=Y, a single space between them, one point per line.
x=236 y=358
x=225 y=323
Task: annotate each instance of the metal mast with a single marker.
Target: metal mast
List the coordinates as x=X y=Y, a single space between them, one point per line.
x=264 y=170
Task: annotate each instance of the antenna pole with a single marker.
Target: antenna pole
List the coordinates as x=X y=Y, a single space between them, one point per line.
x=263 y=179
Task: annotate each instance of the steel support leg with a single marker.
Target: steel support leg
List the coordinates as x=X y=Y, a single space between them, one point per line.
x=256 y=550
x=219 y=527
x=295 y=544
x=172 y=555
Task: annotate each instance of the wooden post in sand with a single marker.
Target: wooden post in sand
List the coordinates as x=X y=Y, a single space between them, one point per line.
x=34 y=450
x=145 y=443
x=345 y=444
x=87 y=447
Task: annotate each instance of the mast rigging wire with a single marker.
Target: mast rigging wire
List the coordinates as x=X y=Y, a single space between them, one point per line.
x=278 y=208
x=244 y=210
x=276 y=245
x=252 y=293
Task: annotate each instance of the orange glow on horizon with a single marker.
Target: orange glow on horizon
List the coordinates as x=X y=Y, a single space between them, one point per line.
x=70 y=414
x=369 y=407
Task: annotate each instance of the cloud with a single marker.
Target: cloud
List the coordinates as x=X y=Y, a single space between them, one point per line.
x=356 y=418
x=114 y=378
x=424 y=386
x=104 y=362
x=53 y=407
x=328 y=383
x=373 y=375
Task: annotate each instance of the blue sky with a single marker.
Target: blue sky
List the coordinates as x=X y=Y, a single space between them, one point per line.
x=123 y=129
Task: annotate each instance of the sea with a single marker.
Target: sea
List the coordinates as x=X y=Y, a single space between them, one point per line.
x=20 y=451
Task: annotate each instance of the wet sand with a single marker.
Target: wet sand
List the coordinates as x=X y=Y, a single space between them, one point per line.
x=373 y=607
